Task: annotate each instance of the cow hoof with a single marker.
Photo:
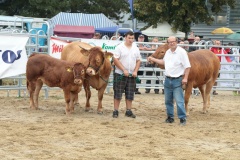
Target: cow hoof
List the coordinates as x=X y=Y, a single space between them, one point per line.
x=204 y=112
x=33 y=108
x=88 y=110
x=68 y=113
x=76 y=104
x=100 y=112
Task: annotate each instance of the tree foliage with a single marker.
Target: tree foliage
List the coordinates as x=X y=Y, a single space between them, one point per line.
x=179 y=13
x=49 y=8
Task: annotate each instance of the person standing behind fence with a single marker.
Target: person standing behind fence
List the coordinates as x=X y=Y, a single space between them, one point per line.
x=115 y=36
x=142 y=47
x=177 y=68
x=183 y=43
x=151 y=73
x=127 y=60
x=196 y=41
x=97 y=36
x=219 y=50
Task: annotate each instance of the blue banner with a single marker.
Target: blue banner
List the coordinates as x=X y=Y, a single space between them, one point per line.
x=131 y=7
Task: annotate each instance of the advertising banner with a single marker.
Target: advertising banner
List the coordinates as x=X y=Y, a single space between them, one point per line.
x=56 y=45
x=13 y=56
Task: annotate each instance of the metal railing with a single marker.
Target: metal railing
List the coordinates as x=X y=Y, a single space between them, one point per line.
x=234 y=81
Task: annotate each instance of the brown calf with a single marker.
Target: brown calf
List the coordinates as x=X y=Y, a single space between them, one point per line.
x=98 y=68
x=42 y=68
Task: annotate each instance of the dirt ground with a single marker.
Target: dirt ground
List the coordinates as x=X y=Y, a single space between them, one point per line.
x=49 y=134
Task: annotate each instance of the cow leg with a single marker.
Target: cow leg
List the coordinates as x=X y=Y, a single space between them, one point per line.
x=71 y=103
x=207 y=93
x=88 y=95
x=73 y=96
x=67 y=101
x=100 y=97
x=31 y=88
x=39 y=85
x=204 y=97
x=188 y=92
x=76 y=102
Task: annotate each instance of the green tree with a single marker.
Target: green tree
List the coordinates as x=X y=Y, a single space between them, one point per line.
x=179 y=13
x=49 y=8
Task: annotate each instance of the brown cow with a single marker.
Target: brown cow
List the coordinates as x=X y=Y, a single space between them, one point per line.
x=98 y=71
x=203 y=73
x=42 y=68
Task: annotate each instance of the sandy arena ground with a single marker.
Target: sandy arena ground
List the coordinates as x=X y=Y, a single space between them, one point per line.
x=51 y=135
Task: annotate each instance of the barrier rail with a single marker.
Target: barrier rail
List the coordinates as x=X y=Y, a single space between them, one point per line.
x=234 y=80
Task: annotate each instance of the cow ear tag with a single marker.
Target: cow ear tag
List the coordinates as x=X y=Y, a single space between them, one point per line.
x=109 y=57
x=69 y=69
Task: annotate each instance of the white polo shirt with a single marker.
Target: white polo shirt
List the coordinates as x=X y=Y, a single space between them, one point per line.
x=128 y=57
x=176 y=62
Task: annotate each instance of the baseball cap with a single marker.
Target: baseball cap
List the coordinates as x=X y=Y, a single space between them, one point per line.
x=141 y=35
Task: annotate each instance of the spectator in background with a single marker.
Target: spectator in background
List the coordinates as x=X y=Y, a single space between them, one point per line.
x=183 y=43
x=97 y=36
x=196 y=41
x=142 y=47
x=186 y=42
x=151 y=73
x=115 y=37
x=219 y=50
x=191 y=35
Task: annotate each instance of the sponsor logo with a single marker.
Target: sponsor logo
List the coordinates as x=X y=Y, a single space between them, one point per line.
x=10 y=56
x=107 y=47
x=57 y=48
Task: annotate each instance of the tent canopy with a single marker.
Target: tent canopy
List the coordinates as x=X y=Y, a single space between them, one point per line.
x=81 y=19
x=162 y=30
x=74 y=31
x=115 y=29
x=111 y=30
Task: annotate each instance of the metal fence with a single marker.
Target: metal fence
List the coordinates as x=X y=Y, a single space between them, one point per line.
x=148 y=73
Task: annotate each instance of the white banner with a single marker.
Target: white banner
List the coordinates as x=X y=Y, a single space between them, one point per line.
x=56 y=45
x=13 y=56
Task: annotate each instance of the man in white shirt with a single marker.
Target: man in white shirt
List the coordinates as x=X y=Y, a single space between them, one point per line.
x=177 y=68
x=127 y=60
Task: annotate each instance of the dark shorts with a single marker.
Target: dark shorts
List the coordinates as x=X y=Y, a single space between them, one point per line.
x=125 y=85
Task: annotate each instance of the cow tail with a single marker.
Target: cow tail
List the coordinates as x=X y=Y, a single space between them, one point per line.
x=27 y=84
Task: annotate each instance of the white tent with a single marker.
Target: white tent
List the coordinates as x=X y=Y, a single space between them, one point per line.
x=162 y=30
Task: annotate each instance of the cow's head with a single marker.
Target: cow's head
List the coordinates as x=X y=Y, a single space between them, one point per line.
x=159 y=53
x=97 y=58
x=78 y=70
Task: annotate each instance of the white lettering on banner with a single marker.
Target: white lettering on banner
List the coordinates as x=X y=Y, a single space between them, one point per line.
x=57 y=45
x=13 y=56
